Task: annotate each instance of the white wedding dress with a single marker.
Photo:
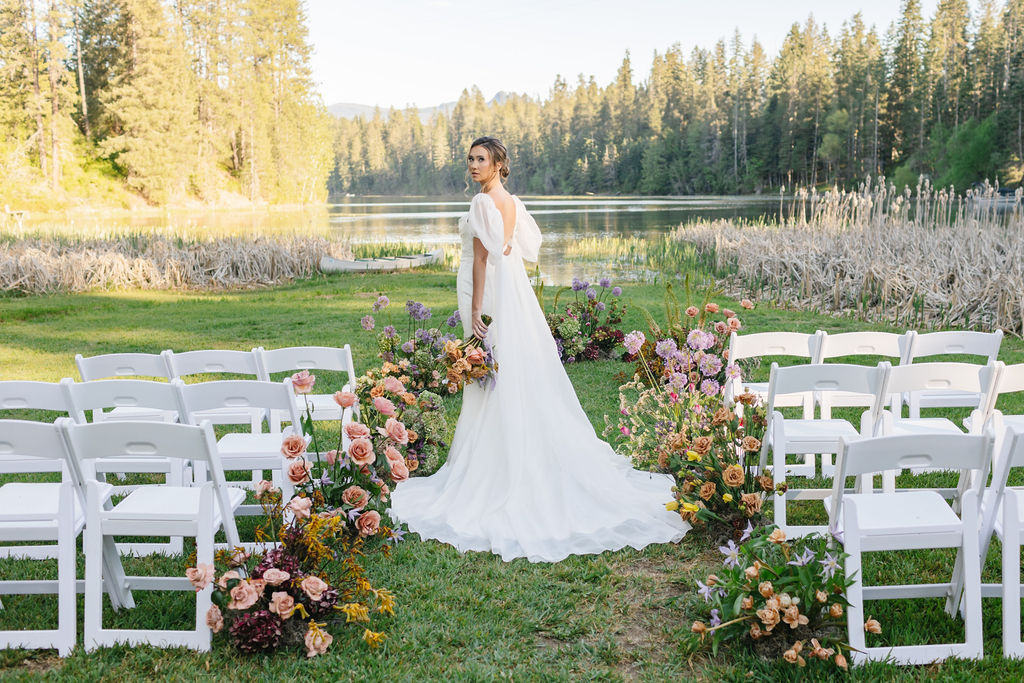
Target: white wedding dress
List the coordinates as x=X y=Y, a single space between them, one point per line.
x=526 y=475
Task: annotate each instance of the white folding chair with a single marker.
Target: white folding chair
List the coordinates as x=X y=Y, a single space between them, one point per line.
x=797 y=436
x=772 y=344
x=123 y=366
x=41 y=512
x=194 y=511
x=880 y=346
x=219 y=362
x=290 y=359
x=960 y=342
x=246 y=452
x=910 y=520
x=1010 y=381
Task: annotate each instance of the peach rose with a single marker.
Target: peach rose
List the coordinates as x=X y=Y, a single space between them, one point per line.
x=262 y=488
x=368 y=523
x=393 y=385
x=692 y=311
x=345 y=399
x=331 y=457
x=275 y=576
x=765 y=482
x=392 y=454
x=747 y=602
x=777 y=536
x=355 y=430
x=728 y=313
x=317 y=641
x=293 y=446
x=399 y=472
x=711 y=307
x=214 y=619
x=302 y=382
x=734 y=324
x=355 y=496
x=384 y=406
x=747 y=304
x=413 y=436
x=377 y=391
x=412 y=464
x=733 y=475
x=361 y=451
x=395 y=431
x=702 y=444
x=409 y=398
x=721 y=327
x=298 y=471
x=752 y=503
x=200 y=576
x=314 y=587
x=384 y=491
x=259 y=584
x=707 y=490
x=243 y=596
x=227 y=576
x=282 y=604
x=300 y=507
x=461 y=366
x=476 y=356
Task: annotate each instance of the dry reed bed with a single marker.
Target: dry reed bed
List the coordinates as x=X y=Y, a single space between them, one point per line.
x=48 y=265
x=926 y=258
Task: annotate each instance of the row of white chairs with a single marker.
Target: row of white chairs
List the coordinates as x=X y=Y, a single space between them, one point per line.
x=61 y=511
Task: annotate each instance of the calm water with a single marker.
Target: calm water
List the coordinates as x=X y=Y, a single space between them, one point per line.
x=433 y=222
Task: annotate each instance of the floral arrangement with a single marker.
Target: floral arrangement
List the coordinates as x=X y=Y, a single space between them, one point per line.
x=290 y=595
x=470 y=361
x=586 y=328
x=784 y=598
x=415 y=353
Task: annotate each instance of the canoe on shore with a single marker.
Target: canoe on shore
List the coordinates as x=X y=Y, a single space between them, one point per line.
x=329 y=264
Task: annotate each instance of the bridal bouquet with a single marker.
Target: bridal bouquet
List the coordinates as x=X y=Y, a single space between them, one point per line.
x=470 y=361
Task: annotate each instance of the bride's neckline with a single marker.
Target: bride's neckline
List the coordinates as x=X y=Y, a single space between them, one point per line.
x=515 y=221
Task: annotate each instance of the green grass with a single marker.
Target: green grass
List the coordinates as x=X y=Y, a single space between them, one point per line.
x=617 y=616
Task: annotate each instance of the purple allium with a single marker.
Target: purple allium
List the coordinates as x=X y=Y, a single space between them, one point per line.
x=454 y=319
x=699 y=340
x=677 y=382
x=600 y=306
x=732 y=371
x=577 y=284
x=368 y=322
x=257 y=631
x=381 y=303
x=710 y=365
x=665 y=348
x=390 y=332
x=605 y=282
x=710 y=387
x=591 y=293
x=633 y=341
x=616 y=291
x=408 y=346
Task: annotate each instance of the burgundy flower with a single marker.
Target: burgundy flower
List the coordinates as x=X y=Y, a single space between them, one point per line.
x=257 y=631
x=278 y=559
x=328 y=599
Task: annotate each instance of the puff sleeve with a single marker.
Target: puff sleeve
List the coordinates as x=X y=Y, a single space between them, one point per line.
x=527 y=233
x=487 y=226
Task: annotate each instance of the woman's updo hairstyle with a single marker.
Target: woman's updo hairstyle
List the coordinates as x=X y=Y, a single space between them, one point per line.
x=499 y=155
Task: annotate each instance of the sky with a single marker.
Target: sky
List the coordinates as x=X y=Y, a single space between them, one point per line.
x=425 y=52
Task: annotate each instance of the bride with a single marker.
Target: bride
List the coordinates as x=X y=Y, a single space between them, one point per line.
x=526 y=475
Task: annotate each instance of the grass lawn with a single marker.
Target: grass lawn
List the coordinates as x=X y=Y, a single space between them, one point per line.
x=617 y=616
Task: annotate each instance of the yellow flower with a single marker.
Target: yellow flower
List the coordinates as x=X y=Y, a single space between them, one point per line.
x=727 y=497
x=692 y=455
x=354 y=612
x=672 y=505
x=373 y=639
x=690 y=507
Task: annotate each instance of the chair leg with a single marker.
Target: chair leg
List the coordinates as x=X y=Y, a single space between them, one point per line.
x=854 y=573
x=779 y=473
x=94 y=561
x=66 y=594
x=1012 y=646
x=974 y=644
x=204 y=555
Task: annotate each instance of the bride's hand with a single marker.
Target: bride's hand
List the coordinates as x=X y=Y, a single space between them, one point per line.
x=479 y=328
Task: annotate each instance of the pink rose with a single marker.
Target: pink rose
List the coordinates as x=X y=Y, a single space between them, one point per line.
x=355 y=430
x=300 y=507
x=728 y=313
x=399 y=471
x=243 y=596
x=214 y=619
x=282 y=604
x=275 y=576
x=259 y=584
x=298 y=471
x=345 y=399
x=368 y=523
x=361 y=451
x=262 y=488
x=395 y=430
x=392 y=454
x=384 y=491
x=692 y=311
x=711 y=307
x=293 y=446
x=721 y=327
x=200 y=576
x=393 y=385
x=356 y=496
x=747 y=304
x=227 y=576
x=734 y=324
x=314 y=587
x=476 y=356
x=317 y=641
x=302 y=382
x=384 y=406
x=331 y=457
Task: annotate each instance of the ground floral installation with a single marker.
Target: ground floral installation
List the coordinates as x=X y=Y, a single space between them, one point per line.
x=587 y=327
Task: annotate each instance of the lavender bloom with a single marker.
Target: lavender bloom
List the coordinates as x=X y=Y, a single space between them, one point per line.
x=678 y=381
x=577 y=284
x=354 y=514
x=633 y=341
x=665 y=348
x=731 y=552
x=591 y=293
x=715 y=619
x=829 y=566
x=408 y=346
x=747 y=532
x=390 y=332
x=374 y=478
x=605 y=283
x=396 y=535
x=454 y=319
x=600 y=306
x=423 y=335
x=616 y=291
x=381 y=302
x=804 y=559
x=710 y=387
x=698 y=340
x=560 y=346
x=367 y=322
x=732 y=371
x=710 y=365
x=324 y=479
x=570 y=359
x=704 y=591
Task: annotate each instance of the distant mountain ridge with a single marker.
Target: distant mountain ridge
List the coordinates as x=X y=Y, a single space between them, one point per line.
x=351 y=110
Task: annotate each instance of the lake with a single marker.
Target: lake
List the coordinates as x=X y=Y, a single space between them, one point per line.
x=433 y=222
